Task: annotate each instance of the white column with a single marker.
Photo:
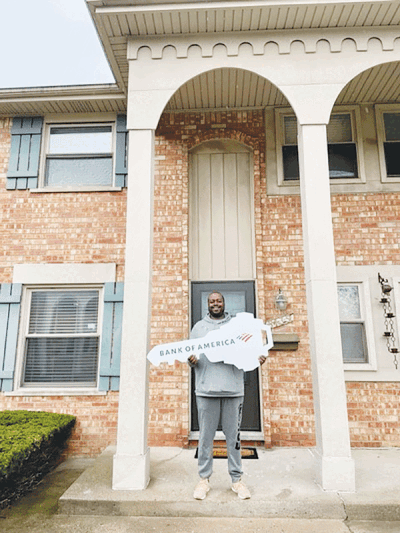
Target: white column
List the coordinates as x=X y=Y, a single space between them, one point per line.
x=335 y=467
x=132 y=459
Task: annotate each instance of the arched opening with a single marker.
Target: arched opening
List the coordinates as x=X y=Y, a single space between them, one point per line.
x=214 y=129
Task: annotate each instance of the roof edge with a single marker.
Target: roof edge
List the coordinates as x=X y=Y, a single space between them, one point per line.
x=62 y=91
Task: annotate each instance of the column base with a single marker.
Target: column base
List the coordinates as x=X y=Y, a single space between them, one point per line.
x=131 y=472
x=335 y=473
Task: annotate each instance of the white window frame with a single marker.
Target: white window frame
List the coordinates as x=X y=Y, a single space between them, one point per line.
x=65 y=387
x=106 y=119
x=84 y=275
x=366 y=319
x=380 y=110
x=355 y=117
x=382 y=366
x=354 y=276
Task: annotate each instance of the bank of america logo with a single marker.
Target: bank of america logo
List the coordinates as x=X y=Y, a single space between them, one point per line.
x=245 y=337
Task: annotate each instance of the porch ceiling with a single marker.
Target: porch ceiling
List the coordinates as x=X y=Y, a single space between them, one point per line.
x=228 y=88
x=116 y=20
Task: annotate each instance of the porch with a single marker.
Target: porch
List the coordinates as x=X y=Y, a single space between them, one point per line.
x=281 y=480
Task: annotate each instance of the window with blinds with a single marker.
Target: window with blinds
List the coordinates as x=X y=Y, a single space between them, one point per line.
x=342 y=151
x=352 y=324
x=62 y=339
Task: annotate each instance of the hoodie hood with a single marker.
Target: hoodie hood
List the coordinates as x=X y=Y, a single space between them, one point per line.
x=208 y=324
x=220 y=321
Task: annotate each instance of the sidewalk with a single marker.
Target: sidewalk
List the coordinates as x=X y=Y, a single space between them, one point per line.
x=281 y=481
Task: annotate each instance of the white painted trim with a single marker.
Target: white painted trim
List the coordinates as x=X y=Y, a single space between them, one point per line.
x=310 y=37
x=67 y=273
x=201 y=6
x=88 y=188
x=64 y=392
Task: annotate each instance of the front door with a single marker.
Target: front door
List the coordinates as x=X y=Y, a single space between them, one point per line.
x=239 y=297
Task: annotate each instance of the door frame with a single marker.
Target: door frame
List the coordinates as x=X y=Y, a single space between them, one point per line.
x=228 y=285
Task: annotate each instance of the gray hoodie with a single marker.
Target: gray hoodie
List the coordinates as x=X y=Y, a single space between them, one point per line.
x=215 y=379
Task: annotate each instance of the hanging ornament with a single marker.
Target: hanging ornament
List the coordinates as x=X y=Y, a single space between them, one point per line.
x=389 y=332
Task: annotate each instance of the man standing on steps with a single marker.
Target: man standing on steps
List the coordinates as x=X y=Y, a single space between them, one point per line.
x=219 y=394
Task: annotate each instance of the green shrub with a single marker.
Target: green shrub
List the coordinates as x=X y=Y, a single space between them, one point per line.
x=31 y=444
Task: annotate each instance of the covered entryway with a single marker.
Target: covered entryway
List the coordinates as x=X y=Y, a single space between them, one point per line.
x=221 y=244
x=310 y=67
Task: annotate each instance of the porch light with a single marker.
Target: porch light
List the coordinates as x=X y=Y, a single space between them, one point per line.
x=280 y=301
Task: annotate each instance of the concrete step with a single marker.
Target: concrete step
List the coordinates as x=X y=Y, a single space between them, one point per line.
x=281 y=482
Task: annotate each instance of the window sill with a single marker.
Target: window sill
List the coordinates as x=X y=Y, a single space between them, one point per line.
x=88 y=188
x=332 y=181
x=391 y=179
x=359 y=367
x=56 y=392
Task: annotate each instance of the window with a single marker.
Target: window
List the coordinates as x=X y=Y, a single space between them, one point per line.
x=61 y=338
x=352 y=325
x=68 y=154
x=79 y=154
x=359 y=314
x=389 y=142
x=342 y=147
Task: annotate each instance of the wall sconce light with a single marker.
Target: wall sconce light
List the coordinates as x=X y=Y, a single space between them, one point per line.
x=280 y=301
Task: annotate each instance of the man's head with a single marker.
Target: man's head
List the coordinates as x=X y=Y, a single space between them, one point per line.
x=216 y=305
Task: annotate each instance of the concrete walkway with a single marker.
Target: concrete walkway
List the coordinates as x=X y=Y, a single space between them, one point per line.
x=281 y=481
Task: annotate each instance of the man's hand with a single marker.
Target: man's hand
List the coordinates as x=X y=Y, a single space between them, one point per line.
x=262 y=359
x=193 y=360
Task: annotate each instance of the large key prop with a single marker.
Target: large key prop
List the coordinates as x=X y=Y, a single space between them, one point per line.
x=240 y=342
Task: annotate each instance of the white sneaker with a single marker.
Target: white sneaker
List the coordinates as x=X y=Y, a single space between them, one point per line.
x=241 y=490
x=202 y=487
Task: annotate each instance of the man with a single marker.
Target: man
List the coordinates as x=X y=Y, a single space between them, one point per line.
x=219 y=393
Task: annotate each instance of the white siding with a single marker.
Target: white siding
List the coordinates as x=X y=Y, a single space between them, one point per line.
x=221 y=212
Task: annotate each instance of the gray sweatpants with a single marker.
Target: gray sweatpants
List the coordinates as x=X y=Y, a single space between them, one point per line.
x=210 y=410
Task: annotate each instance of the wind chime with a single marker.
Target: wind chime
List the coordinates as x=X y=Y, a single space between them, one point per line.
x=389 y=332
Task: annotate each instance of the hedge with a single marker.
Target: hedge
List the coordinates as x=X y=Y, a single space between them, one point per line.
x=31 y=444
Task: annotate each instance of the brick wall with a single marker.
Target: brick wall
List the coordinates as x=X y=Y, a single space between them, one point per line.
x=63 y=228
x=96 y=425
x=58 y=227
x=176 y=134
x=90 y=227
x=371 y=221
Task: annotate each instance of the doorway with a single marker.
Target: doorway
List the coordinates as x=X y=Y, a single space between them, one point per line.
x=239 y=297
x=221 y=243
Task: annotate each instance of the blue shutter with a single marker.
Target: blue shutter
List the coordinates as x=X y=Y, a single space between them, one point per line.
x=110 y=354
x=121 y=156
x=10 y=305
x=23 y=170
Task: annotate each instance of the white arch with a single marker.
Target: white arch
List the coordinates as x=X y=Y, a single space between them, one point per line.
x=310 y=76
